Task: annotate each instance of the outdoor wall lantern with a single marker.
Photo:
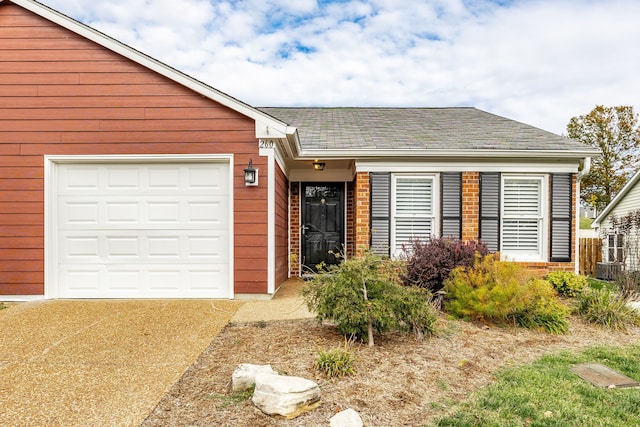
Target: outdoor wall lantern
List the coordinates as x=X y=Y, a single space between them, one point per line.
x=318 y=165
x=250 y=175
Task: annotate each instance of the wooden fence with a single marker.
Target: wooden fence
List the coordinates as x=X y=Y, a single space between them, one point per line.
x=590 y=255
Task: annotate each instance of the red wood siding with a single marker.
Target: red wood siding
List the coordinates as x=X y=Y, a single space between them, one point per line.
x=62 y=94
x=282 y=227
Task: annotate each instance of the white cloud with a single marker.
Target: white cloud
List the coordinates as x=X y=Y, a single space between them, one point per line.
x=537 y=61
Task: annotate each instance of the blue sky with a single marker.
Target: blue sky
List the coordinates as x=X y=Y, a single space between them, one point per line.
x=537 y=61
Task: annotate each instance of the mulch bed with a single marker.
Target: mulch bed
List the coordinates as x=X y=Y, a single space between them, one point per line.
x=400 y=381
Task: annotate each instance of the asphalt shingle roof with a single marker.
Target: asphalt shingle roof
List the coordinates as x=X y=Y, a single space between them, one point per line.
x=459 y=128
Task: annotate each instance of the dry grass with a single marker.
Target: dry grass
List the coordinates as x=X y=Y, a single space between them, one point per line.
x=401 y=381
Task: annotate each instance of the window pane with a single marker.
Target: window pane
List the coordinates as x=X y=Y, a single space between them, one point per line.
x=522 y=197
x=408 y=229
x=520 y=235
x=414 y=196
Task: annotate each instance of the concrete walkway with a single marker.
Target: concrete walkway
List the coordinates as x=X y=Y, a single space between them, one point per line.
x=286 y=304
x=108 y=363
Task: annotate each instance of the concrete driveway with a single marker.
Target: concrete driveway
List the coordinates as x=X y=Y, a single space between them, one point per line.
x=99 y=363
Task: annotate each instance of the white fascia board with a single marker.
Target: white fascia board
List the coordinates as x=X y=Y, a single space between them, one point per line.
x=266 y=125
x=465 y=166
x=455 y=154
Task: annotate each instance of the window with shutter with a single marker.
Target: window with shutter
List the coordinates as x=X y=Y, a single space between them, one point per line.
x=413 y=210
x=522 y=217
x=451 y=204
x=561 y=216
x=380 y=212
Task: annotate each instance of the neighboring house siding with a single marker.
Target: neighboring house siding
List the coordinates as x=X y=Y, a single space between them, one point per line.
x=282 y=227
x=69 y=96
x=629 y=203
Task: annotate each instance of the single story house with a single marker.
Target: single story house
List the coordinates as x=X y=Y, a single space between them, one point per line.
x=121 y=177
x=620 y=247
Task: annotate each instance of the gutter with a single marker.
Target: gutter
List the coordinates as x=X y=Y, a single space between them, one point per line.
x=585 y=169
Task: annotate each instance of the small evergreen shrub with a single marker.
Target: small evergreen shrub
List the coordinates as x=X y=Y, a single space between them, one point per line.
x=362 y=295
x=567 y=283
x=502 y=292
x=607 y=308
x=431 y=261
x=336 y=363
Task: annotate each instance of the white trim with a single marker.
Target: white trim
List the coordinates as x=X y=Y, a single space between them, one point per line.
x=300 y=203
x=464 y=166
x=543 y=233
x=289 y=254
x=51 y=163
x=435 y=206
x=21 y=298
x=271 y=223
x=576 y=231
x=574 y=155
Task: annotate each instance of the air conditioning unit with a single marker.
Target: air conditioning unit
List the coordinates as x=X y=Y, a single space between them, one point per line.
x=608 y=270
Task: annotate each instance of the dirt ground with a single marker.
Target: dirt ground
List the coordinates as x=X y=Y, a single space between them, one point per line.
x=400 y=381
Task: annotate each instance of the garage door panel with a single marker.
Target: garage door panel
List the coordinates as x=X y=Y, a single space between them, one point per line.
x=142 y=212
x=145 y=246
x=143 y=230
x=123 y=281
x=160 y=179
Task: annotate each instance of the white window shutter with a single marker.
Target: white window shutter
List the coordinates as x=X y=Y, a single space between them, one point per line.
x=522 y=216
x=413 y=210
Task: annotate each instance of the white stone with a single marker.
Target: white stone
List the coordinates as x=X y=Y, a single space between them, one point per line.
x=346 y=418
x=635 y=305
x=285 y=396
x=244 y=376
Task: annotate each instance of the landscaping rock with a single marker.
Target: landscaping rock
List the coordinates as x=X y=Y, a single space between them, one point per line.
x=284 y=396
x=346 y=418
x=244 y=376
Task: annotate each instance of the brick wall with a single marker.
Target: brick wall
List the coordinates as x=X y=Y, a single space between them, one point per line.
x=294 y=230
x=362 y=207
x=470 y=206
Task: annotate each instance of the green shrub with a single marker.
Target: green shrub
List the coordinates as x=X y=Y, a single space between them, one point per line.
x=607 y=308
x=336 y=363
x=502 y=292
x=546 y=314
x=567 y=283
x=363 y=295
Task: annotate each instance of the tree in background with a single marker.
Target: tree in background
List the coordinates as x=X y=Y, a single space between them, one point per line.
x=615 y=131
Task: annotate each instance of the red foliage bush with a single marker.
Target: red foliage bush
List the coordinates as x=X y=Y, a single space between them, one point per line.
x=430 y=262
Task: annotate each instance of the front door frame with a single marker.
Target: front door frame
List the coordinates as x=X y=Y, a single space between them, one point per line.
x=343 y=206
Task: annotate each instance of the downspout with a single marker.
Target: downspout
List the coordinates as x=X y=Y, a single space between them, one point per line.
x=586 y=167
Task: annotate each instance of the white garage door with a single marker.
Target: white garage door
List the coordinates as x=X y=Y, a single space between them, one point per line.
x=150 y=230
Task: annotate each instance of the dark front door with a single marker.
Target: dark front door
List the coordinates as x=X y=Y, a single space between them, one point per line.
x=322 y=223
